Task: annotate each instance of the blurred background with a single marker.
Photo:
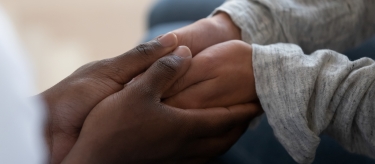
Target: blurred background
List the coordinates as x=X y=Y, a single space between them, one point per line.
x=60 y=36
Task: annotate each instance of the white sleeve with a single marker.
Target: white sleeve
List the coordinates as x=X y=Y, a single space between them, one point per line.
x=312 y=24
x=21 y=118
x=306 y=95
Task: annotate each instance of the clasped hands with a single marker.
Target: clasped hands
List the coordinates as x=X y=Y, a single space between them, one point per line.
x=157 y=103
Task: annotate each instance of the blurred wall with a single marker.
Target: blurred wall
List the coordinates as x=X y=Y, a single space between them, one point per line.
x=60 y=36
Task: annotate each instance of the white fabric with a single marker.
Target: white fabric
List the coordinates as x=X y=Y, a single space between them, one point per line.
x=303 y=95
x=306 y=95
x=312 y=24
x=21 y=118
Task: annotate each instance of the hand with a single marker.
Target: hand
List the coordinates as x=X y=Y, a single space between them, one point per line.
x=221 y=75
x=207 y=32
x=133 y=126
x=70 y=101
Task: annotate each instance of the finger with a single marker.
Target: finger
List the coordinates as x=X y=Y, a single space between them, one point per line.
x=199 y=96
x=164 y=72
x=200 y=70
x=128 y=65
x=211 y=93
x=217 y=121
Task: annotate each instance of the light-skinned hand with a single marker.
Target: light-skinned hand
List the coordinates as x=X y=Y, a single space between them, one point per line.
x=134 y=126
x=221 y=75
x=208 y=32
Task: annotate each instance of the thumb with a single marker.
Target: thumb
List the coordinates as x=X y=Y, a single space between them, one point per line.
x=125 y=67
x=164 y=72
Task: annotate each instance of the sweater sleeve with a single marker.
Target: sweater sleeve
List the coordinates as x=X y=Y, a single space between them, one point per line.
x=311 y=24
x=305 y=95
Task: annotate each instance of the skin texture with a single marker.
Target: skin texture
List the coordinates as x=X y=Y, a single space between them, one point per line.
x=221 y=75
x=222 y=65
x=71 y=100
x=133 y=126
x=133 y=111
x=208 y=32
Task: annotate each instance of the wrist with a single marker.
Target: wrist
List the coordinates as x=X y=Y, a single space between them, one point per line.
x=225 y=26
x=207 y=32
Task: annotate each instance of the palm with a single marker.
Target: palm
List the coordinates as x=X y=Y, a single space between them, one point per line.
x=75 y=97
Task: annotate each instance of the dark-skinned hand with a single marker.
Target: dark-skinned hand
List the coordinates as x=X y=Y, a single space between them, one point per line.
x=70 y=101
x=134 y=126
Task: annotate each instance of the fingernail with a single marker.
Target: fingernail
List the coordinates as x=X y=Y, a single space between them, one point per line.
x=182 y=51
x=168 y=40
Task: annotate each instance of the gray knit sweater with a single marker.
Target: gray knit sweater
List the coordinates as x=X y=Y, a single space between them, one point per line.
x=306 y=95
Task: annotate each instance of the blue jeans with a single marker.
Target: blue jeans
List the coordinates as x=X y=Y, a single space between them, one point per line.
x=258 y=146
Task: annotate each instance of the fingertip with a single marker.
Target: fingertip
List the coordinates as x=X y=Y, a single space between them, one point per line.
x=183 y=52
x=168 y=40
x=166 y=71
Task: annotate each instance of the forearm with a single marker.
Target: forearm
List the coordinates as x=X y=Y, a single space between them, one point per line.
x=337 y=25
x=304 y=95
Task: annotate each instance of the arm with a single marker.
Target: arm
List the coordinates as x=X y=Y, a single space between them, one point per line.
x=305 y=95
x=314 y=24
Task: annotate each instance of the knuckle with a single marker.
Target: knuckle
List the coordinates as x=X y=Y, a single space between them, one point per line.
x=169 y=65
x=142 y=91
x=83 y=70
x=107 y=69
x=147 y=49
x=102 y=64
